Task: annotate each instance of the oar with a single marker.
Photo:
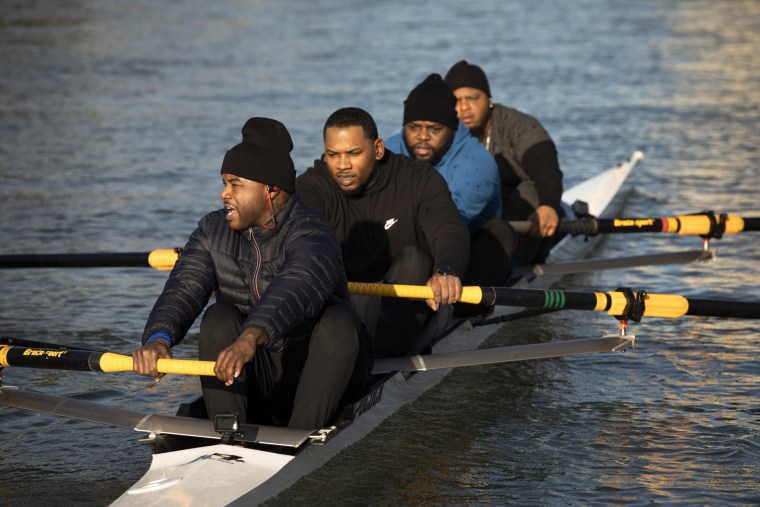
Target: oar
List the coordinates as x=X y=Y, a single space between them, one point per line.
x=620 y=303
x=162 y=259
x=88 y=360
x=55 y=358
x=703 y=224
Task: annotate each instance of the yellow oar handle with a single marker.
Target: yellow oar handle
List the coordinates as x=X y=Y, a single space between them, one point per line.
x=469 y=294
x=111 y=362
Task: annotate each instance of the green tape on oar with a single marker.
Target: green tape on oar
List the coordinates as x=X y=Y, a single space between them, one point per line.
x=554 y=299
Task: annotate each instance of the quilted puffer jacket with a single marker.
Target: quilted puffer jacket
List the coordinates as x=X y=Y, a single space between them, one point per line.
x=282 y=279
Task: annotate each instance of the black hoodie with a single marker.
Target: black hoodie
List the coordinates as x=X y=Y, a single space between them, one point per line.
x=406 y=203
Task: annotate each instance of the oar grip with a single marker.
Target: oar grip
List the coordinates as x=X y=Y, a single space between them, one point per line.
x=186 y=367
x=472 y=294
x=110 y=362
x=390 y=290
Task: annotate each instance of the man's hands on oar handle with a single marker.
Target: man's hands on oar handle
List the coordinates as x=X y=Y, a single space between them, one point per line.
x=145 y=359
x=229 y=365
x=447 y=288
x=543 y=221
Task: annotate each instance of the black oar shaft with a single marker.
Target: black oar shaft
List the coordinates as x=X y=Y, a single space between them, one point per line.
x=630 y=225
x=752 y=224
x=551 y=299
x=162 y=259
x=51 y=359
x=719 y=308
x=85 y=260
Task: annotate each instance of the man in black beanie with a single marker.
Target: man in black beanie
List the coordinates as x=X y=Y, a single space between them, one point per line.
x=288 y=346
x=531 y=180
x=431 y=132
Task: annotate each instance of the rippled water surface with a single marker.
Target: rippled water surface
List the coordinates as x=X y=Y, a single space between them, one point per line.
x=114 y=117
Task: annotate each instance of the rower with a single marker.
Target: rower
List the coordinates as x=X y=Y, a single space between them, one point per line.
x=531 y=180
x=432 y=133
x=288 y=346
x=396 y=223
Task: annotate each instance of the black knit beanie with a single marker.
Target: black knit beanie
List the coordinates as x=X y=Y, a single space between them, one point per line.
x=431 y=100
x=463 y=74
x=264 y=155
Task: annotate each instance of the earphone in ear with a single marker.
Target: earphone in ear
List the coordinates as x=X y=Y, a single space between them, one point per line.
x=270 y=189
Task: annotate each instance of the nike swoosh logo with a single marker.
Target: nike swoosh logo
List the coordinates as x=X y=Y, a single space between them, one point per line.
x=389 y=223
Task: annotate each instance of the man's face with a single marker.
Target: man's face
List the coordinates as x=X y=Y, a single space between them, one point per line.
x=351 y=157
x=245 y=201
x=428 y=140
x=472 y=107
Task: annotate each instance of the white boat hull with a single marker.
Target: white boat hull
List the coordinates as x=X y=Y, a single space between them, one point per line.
x=182 y=477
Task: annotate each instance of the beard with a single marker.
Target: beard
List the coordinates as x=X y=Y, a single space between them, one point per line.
x=479 y=131
x=438 y=153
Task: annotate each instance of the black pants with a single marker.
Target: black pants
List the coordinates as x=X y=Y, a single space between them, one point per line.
x=530 y=249
x=301 y=386
x=396 y=324
x=491 y=254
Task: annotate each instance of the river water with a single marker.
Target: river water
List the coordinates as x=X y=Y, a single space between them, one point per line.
x=115 y=116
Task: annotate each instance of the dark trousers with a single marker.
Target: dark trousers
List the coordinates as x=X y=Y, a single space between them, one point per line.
x=491 y=254
x=396 y=324
x=530 y=249
x=301 y=386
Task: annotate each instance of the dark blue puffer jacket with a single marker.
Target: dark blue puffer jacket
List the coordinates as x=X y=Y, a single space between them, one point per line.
x=282 y=279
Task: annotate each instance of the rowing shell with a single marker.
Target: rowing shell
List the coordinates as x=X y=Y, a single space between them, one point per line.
x=235 y=475
x=260 y=474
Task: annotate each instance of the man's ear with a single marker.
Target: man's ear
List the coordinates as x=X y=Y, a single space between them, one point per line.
x=379 y=149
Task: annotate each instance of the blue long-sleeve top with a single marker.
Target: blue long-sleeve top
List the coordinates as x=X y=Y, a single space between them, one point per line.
x=471 y=174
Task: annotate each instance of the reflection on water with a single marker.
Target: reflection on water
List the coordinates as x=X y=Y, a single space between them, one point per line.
x=113 y=124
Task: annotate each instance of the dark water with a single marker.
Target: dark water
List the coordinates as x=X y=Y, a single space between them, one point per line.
x=114 y=117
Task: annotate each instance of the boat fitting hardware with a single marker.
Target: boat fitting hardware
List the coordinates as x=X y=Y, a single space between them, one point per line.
x=227 y=426
x=322 y=435
x=634 y=304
